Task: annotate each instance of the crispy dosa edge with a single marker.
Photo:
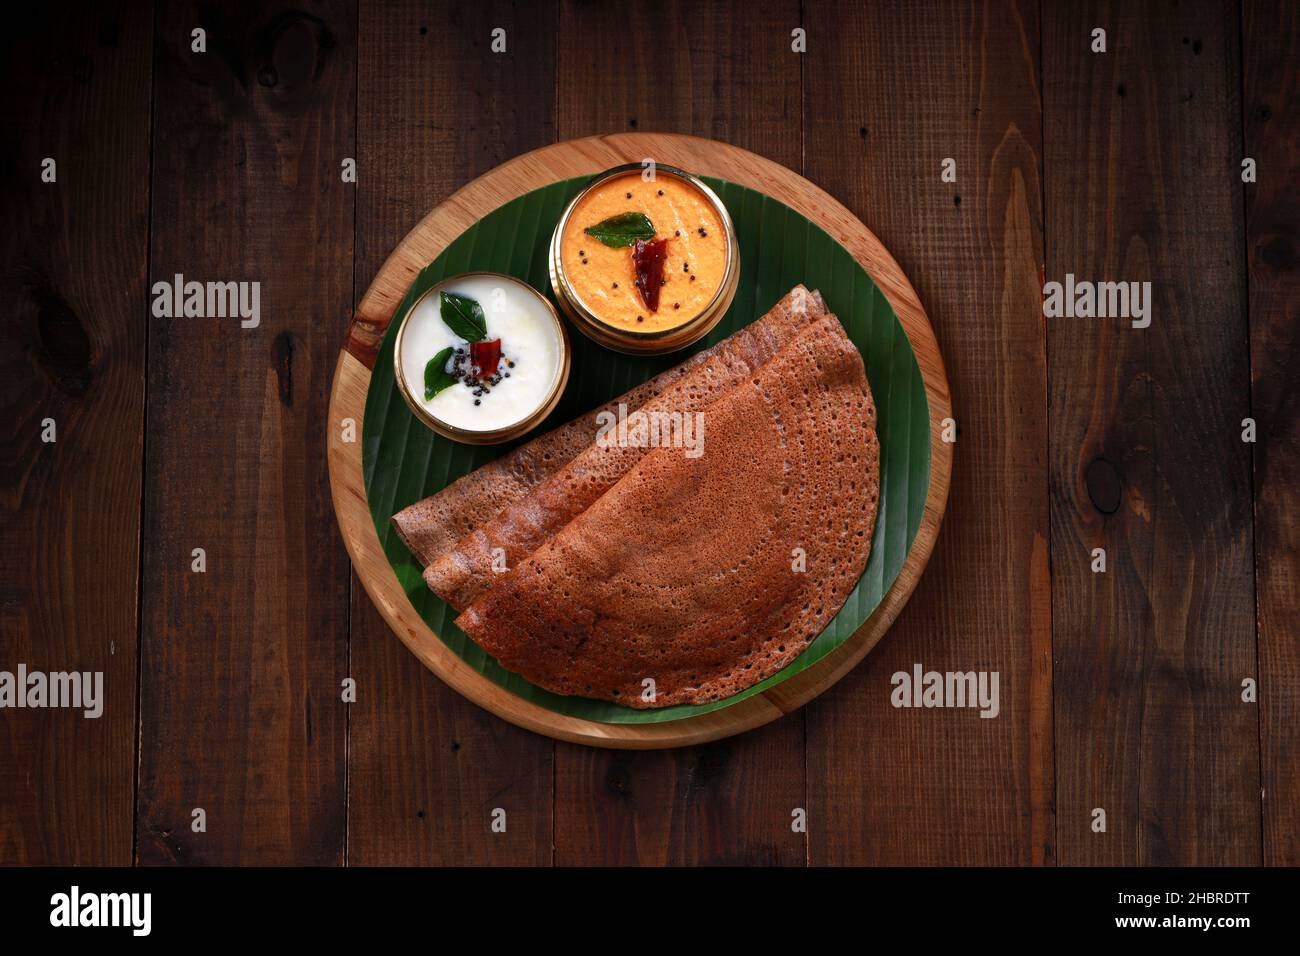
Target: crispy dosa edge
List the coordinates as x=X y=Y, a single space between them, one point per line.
x=590 y=612
x=432 y=526
x=465 y=571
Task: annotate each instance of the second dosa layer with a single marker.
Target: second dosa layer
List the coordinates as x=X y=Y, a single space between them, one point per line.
x=469 y=568
x=706 y=575
x=432 y=526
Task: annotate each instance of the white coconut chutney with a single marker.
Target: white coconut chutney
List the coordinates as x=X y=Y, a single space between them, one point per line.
x=528 y=367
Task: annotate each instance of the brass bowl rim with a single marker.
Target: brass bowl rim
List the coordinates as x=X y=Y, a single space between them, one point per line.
x=494 y=436
x=692 y=329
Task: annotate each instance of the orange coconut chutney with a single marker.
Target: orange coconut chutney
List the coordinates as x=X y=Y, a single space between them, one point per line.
x=603 y=278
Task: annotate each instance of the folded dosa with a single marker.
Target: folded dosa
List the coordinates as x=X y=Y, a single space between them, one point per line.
x=432 y=526
x=706 y=575
x=469 y=568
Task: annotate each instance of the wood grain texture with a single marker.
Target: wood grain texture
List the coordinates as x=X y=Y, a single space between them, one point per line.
x=1271 y=107
x=725 y=803
x=437 y=108
x=688 y=68
x=1143 y=184
x=718 y=71
x=920 y=84
x=72 y=349
x=1139 y=153
x=241 y=670
x=543 y=167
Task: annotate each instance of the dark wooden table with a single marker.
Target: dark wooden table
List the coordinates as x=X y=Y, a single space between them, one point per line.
x=1121 y=691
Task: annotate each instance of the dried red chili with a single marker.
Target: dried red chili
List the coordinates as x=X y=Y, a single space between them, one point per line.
x=485 y=355
x=648 y=260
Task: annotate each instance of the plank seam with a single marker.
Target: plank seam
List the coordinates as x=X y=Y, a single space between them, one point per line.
x=144 y=459
x=1047 y=417
x=1250 y=410
x=347 y=641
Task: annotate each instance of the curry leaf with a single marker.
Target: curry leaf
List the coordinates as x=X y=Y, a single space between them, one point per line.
x=464 y=316
x=436 y=377
x=622 y=230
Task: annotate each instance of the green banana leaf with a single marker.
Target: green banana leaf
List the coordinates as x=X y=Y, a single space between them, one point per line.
x=403 y=461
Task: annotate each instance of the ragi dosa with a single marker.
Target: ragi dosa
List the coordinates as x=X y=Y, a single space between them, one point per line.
x=432 y=526
x=471 y=566
x=705 y=575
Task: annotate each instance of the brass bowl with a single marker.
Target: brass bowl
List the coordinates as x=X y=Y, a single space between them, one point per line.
x=494 y=436
x=629 y=341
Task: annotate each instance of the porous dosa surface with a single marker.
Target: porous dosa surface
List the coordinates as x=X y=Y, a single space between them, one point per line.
x=432 y=526
x=687 y=571
x=467 y=570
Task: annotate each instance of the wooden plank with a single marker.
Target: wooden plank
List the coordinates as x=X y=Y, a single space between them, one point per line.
x=73 y=347
x=438 y=107
x=1142 y=156
x=722 y=71
x=919 y=84
x=1271 y=107
x=691 y=68
x=241 y=710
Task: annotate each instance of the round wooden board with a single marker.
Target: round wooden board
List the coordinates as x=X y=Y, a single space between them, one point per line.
x=428 y=239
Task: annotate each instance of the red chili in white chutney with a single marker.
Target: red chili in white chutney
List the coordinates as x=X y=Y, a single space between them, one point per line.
x=486 y=355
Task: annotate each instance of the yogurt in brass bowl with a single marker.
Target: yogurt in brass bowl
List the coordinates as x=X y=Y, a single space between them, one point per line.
x=481 y=358
x=645 y=260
